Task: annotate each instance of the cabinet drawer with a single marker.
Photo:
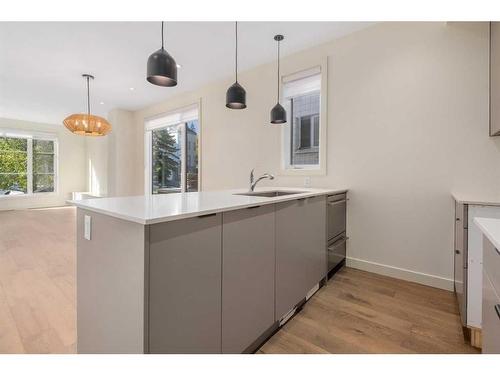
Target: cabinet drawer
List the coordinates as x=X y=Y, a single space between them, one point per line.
x=336 y=250
x=491 y=263
x=336 y=215
x=491 y=317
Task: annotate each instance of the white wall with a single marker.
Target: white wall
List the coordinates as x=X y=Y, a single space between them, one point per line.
x=72 y=176
x=97 y=165
x=124 y=158
x=407 y=124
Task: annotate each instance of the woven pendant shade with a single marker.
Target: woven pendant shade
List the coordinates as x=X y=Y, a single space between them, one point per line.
x=84 y=124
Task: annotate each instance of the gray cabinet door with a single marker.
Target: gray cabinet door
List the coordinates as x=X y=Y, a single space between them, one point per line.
x=247 y=276
x=301 y=259
x=185 y=286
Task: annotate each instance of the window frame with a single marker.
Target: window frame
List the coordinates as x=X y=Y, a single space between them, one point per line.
x=319 y=66
x=148 y=149
x=30 y=136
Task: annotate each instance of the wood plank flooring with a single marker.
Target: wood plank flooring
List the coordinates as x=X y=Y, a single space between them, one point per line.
x=37 y=281
x=361 y=312
x=356 y=312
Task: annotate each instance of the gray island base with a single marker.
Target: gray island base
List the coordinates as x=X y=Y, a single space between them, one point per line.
x=212 y=283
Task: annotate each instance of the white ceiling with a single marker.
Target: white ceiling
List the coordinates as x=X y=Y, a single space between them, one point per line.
x=41 y=62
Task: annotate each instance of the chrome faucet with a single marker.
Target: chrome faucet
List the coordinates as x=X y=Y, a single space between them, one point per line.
x=254 y=182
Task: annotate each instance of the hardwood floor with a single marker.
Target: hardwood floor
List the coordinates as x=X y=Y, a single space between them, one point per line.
x=356 y=312
x=37 y=281
x=361 y=312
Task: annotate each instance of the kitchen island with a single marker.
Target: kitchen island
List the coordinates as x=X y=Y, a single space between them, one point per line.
x=207 y=272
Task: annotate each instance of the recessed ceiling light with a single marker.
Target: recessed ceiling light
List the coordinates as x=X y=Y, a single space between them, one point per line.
x=101 y=103
x=179 y=65
x=131 y=89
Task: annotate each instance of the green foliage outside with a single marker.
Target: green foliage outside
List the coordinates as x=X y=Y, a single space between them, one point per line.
x=14 y=165
x=13 y=160
x=164 y=157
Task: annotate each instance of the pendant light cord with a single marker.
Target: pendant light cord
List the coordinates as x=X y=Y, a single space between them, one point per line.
x=162 y=35
x=236 y=55
x=88 y=95
x=278 y=71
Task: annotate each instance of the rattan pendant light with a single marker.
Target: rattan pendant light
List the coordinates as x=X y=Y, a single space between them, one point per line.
x=85 y=123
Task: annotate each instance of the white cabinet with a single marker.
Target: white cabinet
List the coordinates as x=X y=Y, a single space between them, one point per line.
x=491 y=299
x=475 y=263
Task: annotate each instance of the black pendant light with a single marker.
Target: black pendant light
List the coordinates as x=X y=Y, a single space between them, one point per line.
x=162 y=68
x=236 y=96
x=278 y=113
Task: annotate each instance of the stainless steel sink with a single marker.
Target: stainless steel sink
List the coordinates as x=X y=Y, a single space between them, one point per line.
x=269 y=194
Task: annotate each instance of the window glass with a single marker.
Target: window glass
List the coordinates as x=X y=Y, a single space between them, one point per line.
x=316 y=131
x=43 y=166
x=166 y=159
x=27 y=165
x=172 y=151
x=13 y=166
x=192 y=131
x=304 y=132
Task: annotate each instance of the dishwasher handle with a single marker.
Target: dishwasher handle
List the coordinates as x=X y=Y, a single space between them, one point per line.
x=341 y=241
x=338 y=202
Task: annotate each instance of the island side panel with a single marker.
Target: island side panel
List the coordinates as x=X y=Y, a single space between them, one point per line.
x=111 y=290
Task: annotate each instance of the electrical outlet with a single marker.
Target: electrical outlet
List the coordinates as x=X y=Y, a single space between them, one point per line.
x=87 y=227
x=307 y=182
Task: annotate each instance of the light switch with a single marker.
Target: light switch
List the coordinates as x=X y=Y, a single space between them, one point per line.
x=87 y=227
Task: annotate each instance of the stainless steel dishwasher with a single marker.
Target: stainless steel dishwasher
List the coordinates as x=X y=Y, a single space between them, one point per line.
x=337 y=237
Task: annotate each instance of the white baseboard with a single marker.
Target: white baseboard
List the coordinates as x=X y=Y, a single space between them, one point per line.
x=401 y=273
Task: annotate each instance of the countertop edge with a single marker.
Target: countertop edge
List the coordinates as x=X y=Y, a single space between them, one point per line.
x=493 y=238
x=477 y=202
x=141 y=221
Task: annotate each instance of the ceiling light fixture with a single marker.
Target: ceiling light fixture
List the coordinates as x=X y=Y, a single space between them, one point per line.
x=85 y=123
x=162 y=68
x=236 y=97
x=278 y=113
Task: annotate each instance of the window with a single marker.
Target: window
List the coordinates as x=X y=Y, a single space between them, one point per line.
x=308 y=128
x=43 y=166
x=172 y=152
x=27 y=164
x=302 y=99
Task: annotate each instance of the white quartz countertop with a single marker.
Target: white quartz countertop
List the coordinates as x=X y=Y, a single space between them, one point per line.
x=490 y=228
x=478 y=199
x=167 y=207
